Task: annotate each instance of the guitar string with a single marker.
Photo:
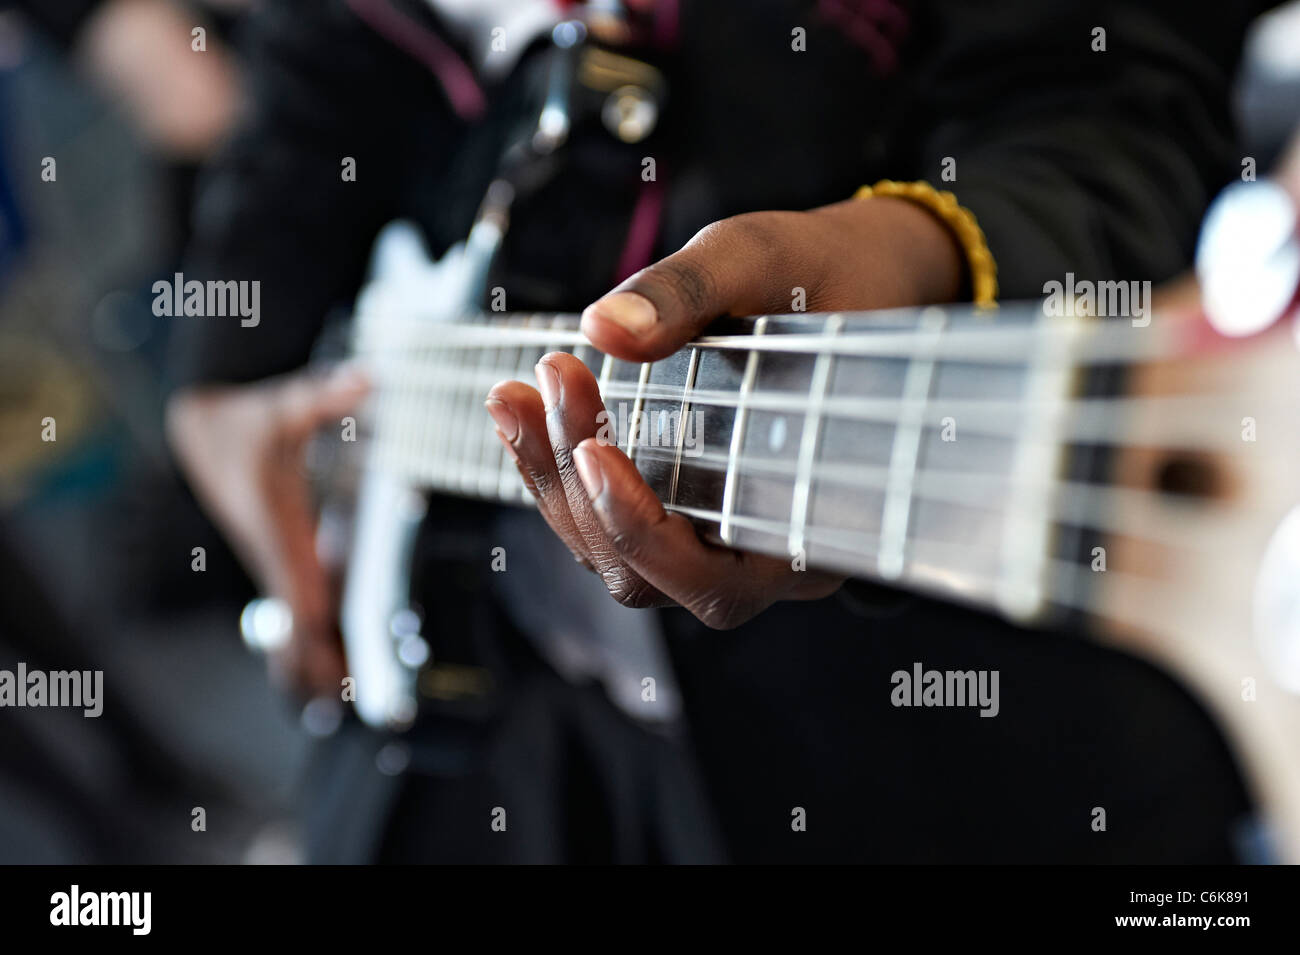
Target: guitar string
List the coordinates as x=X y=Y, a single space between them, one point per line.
x=1179 y=422
x=885 y=411
x=1194 y=411
x=1106 y=341
x=1075 y=504
x=929 y=562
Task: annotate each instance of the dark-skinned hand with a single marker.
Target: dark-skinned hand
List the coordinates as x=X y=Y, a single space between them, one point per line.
x=876 y=253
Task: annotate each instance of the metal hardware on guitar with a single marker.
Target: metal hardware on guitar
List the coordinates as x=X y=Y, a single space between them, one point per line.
x=1248 y=258
x=266 y=624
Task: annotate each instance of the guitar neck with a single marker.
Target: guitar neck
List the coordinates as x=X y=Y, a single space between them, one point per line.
x=923 y=446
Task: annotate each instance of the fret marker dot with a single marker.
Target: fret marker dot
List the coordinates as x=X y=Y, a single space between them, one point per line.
x=776 y=436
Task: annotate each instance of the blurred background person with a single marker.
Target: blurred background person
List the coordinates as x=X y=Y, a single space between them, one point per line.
x=106 y=112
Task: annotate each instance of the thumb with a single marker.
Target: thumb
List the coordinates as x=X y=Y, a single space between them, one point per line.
x=737 y=266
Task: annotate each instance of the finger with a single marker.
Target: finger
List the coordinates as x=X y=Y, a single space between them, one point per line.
x=575 y=412
x=739 y=266
x=310 y=665
x=292 y=564
x=326 y=666
x=722 y=587
x=520 y=420
x=291 y=567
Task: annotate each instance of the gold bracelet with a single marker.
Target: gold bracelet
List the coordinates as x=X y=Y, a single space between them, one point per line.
x=960 y=221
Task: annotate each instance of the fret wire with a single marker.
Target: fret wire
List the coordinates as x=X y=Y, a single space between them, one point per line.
x=529 y=356
x=737 y=437
x=1025 y=540
x=508 y=474
x=606 y=369
x=634 y=421
x=492 y=453
x=561 y=343
x=593 y=356
x=905 y=452
x=681 y=423
x=799 y=500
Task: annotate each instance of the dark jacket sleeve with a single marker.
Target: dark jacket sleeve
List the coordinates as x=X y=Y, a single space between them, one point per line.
x=1075 y=159
x=274 y=207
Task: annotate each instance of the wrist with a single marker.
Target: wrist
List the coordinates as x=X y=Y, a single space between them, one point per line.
x=904 y=245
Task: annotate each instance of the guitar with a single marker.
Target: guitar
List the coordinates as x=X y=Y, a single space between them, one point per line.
x=1136 y=480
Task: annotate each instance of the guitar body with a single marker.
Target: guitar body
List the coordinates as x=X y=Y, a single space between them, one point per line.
x=1211 y=592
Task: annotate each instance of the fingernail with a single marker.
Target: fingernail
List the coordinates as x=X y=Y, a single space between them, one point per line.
x=508 y=445
x=506 y=422
x=630 y=311
x=584 y=459
x=548 y=383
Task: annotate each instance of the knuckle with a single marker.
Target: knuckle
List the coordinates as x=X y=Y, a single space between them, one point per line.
x=761 y=237
x=564 y=466
x=629 y=544
x=755 y=230
x=542 y=484
x=633 y=536
x=690 y=280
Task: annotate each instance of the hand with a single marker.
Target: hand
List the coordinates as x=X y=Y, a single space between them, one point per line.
x=243 y=450
x=870 y=254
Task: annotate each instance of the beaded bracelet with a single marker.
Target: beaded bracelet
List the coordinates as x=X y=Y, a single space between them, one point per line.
x=960 y=221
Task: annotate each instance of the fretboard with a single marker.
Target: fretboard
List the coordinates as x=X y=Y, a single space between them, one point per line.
x=927 y=447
